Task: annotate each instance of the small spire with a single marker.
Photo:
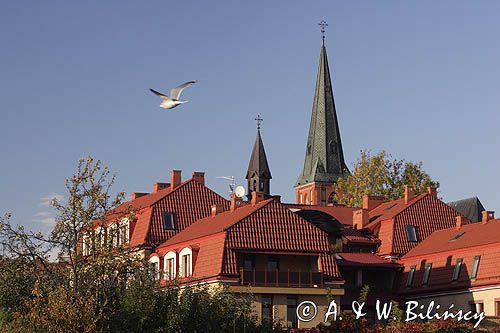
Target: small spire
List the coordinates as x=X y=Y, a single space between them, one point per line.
x=259 y=120
x=323 y=26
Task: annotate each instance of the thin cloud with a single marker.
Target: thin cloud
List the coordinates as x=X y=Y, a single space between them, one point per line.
x=45 y=201
x=44 y=218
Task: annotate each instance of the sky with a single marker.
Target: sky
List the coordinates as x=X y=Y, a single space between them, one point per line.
x=419 y=79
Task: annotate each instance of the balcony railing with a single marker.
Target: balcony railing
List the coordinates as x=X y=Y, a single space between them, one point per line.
x=277 y=278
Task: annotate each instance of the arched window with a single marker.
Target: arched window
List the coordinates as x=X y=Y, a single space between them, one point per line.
x=154 y=267
x=170 y=265
x=185 y=262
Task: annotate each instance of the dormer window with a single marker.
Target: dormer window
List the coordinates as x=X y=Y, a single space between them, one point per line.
x=170 y=265
x=427 y=272
x=456 y=271
x=411 y=274
x=411 y=233
x=154 y=267
x=168 y=221
x=185 y=262
x=475 y=267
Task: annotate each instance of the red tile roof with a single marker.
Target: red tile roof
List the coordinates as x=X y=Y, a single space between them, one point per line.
x=189 y=201
x=425 y=212
x=267 y=226
x=474 y=234
x=439 y=250
x=356 y=236
x=341 y=213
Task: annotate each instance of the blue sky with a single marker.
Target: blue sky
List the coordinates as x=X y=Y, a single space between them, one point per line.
x=418 y=79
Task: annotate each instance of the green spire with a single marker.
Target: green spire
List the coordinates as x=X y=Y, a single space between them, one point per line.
x=324 y=161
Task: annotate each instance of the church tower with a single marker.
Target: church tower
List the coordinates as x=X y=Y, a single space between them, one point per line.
x=258 y=173
x=324 y=161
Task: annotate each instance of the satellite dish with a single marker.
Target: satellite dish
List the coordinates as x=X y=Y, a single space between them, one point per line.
x=240 y=191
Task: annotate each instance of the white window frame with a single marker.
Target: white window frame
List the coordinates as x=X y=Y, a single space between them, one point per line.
x=86 y=246
x=155 y=260
x=124 y=230
x=171 y=255
x=183 y=272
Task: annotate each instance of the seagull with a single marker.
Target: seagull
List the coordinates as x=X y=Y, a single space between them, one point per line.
x=172 y=101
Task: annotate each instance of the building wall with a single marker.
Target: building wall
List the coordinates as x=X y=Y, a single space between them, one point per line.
x=280 y=307
x=462 y=299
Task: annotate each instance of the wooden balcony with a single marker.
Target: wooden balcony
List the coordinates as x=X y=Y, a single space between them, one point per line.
x=277 y=278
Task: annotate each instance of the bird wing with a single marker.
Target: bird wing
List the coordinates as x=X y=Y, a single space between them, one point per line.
x=175 y=93
x=159 y=94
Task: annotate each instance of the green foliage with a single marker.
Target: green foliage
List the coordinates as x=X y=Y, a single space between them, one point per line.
x=363 y=293
x=381 y=175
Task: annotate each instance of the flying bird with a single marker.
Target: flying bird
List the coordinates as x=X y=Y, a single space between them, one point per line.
x=172 y=101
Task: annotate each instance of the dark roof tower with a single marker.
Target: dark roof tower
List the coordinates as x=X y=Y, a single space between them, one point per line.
x=258 y=173
x=324 y=160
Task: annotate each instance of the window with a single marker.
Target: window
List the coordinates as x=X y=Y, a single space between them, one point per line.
x=267 y=310
x=301 y=198
x=390 y=206
x=186 y=265
x=457 y=236
x=323 y=197
x=427 y=272
x=411 y=233
x=168 y=221
x=411 y=274
x=185 y=262
x=154 y=267
x=497 y=308
x=291 y=312
x=254 y=185
x=273 y=263
x=475 y=266
x=456 y=271
x=170 y=265
x=86 y=245
x=476 y=307
x=248 y=263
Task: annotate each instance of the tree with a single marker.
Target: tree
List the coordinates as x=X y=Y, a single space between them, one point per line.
x=108 y=287
x=381 y=175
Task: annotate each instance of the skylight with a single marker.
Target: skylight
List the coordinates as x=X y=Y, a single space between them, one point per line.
x=457 y=236
x=390 y=206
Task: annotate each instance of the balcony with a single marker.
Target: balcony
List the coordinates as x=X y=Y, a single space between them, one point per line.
x=277 y=278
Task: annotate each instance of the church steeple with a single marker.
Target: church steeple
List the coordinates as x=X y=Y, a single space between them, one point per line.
x=324 y=161
x=258 y=173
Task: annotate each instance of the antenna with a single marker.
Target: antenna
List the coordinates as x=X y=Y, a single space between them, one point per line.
x=232 y=184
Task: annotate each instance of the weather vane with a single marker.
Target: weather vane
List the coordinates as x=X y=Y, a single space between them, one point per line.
x=323 y=26
x=259 y=120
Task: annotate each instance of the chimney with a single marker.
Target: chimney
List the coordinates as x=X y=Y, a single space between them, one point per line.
x=409 y=194
x=216 y=209
x=257 y=197
x=432 y=191
x=175 y=178
x=460 y=221
x=487 y=216
x=160 y=186
x=136 y=195
x=235 y=202
x=360 y=218
x=372 y=201
x=199 y=177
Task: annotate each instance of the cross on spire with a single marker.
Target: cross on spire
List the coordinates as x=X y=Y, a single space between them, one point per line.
x=259 y=121
x=323 y=26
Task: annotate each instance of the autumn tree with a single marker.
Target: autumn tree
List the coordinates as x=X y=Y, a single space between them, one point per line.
x=381 y=175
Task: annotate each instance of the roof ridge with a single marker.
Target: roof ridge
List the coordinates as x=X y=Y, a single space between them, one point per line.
x=250 y=213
